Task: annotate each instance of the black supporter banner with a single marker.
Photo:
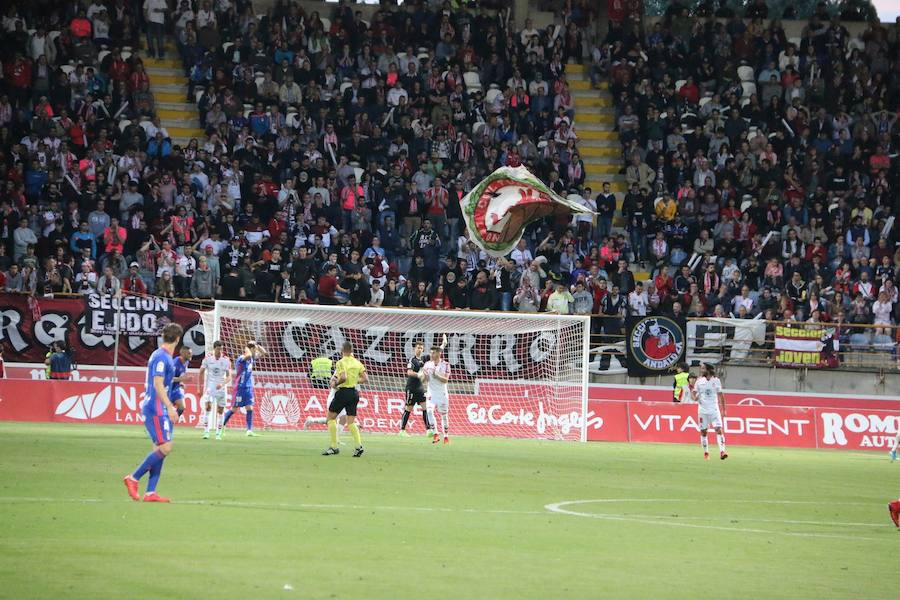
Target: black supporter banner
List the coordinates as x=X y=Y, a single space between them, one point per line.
x=654 y=345
x=29 y=325
x=129 y=315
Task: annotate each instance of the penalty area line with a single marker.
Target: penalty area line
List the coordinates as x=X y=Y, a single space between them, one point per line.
x=559 y=508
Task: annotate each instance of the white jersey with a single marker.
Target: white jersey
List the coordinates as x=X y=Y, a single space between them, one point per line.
x=437 y=389
x=708 y=390
x=216 y=371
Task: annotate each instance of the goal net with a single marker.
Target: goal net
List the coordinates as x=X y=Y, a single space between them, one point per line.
x=512 y=374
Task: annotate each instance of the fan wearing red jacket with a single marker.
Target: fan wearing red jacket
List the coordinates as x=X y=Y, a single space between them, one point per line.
x=132 y=283
x=114 y=237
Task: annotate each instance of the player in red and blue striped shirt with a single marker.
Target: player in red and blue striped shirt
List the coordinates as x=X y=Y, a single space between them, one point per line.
x=159 y=414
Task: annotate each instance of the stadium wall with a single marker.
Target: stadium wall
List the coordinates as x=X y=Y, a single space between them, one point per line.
x=615 y=413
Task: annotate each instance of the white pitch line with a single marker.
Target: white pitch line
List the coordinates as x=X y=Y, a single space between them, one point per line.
x=268 y=505
x=716 y=500
x=754 y=520
x=552 y=508
x=557 y=507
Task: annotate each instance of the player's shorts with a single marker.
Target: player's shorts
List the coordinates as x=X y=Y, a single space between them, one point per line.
x=217 y=396
x=345 y=399
x=159 y=428
x=176 y=396
x=710 y=420
x=243 y=398
x=441 y=402
x=414 y=397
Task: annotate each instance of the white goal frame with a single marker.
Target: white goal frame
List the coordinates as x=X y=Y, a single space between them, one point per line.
x=499 y=316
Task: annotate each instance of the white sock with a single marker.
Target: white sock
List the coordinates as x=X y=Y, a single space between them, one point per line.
x=704 y=442
x=220 y=422
x=896 y=442
x=432 y=424
x=203 y=419
x=720 y=437
x=445 y=423
x=318 y=420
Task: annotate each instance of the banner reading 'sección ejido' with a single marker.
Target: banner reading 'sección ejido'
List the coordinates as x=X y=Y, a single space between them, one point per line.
x=129 y=315
x=28 y=329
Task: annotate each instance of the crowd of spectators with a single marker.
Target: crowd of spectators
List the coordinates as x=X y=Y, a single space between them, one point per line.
x=335 y=150
x=762 y=170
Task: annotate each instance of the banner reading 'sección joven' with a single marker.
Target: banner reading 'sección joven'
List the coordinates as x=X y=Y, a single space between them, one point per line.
x=862 y=427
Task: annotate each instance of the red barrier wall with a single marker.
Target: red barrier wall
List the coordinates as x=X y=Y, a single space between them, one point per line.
x=608 y=420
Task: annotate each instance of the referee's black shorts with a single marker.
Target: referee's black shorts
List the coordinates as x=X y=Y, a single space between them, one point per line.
x=345 y=399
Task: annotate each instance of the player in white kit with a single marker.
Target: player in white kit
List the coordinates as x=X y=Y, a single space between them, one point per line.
x=711 y=407
x=436 y=373
x=215 y=373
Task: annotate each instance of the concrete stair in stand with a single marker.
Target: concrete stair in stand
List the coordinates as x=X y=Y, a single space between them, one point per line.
x=169 y=87
x=598 y=141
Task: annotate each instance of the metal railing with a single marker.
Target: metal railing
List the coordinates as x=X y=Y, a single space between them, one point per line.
x=861 y=346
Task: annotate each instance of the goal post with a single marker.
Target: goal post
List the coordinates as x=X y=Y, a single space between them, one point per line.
x=512 y=374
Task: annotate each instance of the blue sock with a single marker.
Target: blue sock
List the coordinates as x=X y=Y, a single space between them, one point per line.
x=227 y=417
x=249 y=420
x=155 y=472
x=151 y=461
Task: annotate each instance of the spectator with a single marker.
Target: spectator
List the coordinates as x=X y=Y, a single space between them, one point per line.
x=59 y=362
x=582 y=299
x=526 y=298
x=638 y=302
x=86 y=279
x=108 y=284
x=376 y=294
x=155 y=15
x=133 y=283
x=203 y=281
x=23 y=236
x=560 y=301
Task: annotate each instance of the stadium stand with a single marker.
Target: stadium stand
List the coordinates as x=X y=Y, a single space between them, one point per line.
x=734 y=171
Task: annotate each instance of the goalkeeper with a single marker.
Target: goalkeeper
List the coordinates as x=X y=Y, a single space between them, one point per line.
x=415 y=390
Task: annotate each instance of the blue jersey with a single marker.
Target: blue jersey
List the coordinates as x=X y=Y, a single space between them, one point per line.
x=159 y=365
x=176 y=391
x=243 y=374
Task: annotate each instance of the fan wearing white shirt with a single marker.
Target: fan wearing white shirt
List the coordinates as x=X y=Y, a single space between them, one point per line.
x=711 y=407
x=637 y=300
x=521 y=256
x=744 y=300
x=376 y=294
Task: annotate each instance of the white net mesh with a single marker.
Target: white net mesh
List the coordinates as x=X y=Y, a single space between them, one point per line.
x=511 y=375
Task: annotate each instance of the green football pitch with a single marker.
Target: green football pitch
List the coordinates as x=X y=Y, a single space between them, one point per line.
x=483 y=518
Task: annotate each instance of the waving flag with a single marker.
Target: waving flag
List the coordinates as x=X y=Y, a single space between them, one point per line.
x=503 y=203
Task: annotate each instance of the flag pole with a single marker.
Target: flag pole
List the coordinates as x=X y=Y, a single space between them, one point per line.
x=115 y=376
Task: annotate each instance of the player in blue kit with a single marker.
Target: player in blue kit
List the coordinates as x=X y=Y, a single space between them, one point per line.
x=159 y=414
x=176 y=393
x=243 y=385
